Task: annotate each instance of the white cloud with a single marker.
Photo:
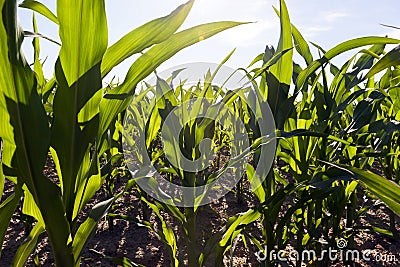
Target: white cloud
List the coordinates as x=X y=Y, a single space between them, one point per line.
x=323 y=22
x=315 y=30
x=333 y=16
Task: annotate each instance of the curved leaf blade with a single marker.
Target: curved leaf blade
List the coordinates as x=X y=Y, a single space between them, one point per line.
x=118 y=99
x=7 y=209
x=390 y=59
x=384 y=189
x=88 y=227
x=25 y=250
x=25 y=132
x=283 y=69
x=84 y=36
x=339 y=49
x=39 y=8
x=153 y=32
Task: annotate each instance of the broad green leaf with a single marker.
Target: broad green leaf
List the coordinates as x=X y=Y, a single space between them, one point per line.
x=283 y=69
x=7 y=209
x=89 y=183
x=73 y=134
x=278 y=79
x=300 y=43
x=39 y=8
x=91 y=108
x=384 y=189
x=153 y=32
x=367 y=59
x=242 y=219
x=390 y=59
x=222 y=240
x=29 y=206
x=25 y=132
x=89 y=226
x=350 y=188
x=118 y=99
x=25 y=250
x=84 y=36
x=255 y=182
x=339 y=49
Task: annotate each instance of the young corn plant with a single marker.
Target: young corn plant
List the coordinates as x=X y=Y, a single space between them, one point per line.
x=201 y=120
x=309 y=120
x=69 y=115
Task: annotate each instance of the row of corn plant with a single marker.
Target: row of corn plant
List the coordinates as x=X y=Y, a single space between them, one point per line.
x=320 y=126
x=71 y=116
x=318 y=122
x=314 y=127
x=204 y=98
x=333 y=124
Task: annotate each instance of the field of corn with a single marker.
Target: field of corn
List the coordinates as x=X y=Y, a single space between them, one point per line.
x=326 y=177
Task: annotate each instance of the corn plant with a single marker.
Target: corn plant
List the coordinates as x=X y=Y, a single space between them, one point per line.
x=198 y=108
x=79 y=110
x=313 y=130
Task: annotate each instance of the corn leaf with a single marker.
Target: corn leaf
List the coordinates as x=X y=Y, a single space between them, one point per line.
x=153 y=32
x=283 y=69
x=39 y=8
x=89 y=183
x=89 y=226
x=390 y=59
x=76 y=101
x=84 y=36
x=166 y=233
x=70 y=139
x=30 y=208
x=279 y=77
x=118 y=99
x=256 y=183
x=384 y=189
x=7 y=209
x=339 y=49
x=25 y=250
x=25 y=132
x=222 y=240
x=301 y=45
x=37 y=65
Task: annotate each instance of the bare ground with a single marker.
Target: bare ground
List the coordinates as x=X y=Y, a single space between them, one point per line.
x=128 y=239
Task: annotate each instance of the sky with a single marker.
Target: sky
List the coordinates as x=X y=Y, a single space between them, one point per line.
x=326 y=23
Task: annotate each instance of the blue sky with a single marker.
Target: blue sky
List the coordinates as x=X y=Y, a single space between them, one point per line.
x=324 y=22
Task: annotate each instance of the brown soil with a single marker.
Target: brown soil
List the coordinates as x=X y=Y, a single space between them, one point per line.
x=128 y=239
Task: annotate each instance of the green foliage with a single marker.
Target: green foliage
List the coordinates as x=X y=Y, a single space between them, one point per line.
x=68 y=116
x=334 y=124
